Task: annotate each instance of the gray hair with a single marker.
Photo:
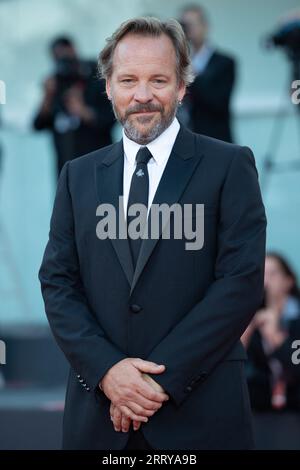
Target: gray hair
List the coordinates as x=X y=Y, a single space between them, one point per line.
x=149 y=26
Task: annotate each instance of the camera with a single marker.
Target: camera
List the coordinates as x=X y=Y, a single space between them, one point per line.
x=287 y=37
x=68 y=73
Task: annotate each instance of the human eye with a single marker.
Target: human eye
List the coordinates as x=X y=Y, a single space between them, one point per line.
x=127 y=81
x=159 y=81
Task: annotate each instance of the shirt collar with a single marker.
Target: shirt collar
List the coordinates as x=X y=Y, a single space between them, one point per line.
x=160 y=147
x=201 y=57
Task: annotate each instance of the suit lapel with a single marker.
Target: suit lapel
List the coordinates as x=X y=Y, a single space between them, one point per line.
x=178 y=171
x=109 y=183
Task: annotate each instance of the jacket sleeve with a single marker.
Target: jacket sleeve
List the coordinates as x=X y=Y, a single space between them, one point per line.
x=43 y=121
x=208 y=332
x=74 y=326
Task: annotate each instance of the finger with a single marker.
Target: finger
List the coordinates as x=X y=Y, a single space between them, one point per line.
x=125 y=423
x=139 y=410
x=145 y=403
x=130 y=414
x=147 y=366
x=117 y=416
x=136 y=425
x=152 y=382
x=147 y=391
x=111 y=411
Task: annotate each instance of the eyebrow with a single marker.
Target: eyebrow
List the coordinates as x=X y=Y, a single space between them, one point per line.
x=130 y=75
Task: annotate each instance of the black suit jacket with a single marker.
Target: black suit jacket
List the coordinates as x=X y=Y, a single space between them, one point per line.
x=192 y=305
x=209 y=98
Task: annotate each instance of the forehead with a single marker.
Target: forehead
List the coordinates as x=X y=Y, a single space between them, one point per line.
x=193 y=16
x=136 y=52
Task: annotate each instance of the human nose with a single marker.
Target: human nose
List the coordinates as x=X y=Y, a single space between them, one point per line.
x=143 y=93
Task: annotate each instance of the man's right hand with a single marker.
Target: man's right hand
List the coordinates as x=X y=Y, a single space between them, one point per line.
x=126 y=388
x=50 y=86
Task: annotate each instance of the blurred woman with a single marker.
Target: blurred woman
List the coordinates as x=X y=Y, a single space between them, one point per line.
x=273 y=378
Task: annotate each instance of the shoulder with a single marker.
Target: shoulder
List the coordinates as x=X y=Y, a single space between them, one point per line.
x=223 y=57
x=218 y=150
x=81 y=170
x=223 y=159
x=88 y=160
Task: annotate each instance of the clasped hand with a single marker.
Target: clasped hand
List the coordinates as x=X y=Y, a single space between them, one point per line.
x=134 y=395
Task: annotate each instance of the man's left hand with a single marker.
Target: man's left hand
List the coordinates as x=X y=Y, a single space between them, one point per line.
x=120 y=421
x=76 y=106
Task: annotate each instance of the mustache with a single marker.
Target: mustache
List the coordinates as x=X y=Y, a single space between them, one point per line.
x=143 y=108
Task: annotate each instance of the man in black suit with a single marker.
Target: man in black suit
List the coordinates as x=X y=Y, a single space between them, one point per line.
x=151 y=326
x=208 y=98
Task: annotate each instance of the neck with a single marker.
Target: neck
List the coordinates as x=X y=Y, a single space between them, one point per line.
x=276 y=302
x=197 y=45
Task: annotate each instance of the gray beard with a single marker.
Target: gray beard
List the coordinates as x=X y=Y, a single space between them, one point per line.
x=134 y=134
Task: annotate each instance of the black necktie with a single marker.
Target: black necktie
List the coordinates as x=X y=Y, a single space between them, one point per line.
x=138 y=194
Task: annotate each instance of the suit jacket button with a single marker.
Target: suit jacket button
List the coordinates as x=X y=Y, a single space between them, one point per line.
x=135 y=308
x=188 y=388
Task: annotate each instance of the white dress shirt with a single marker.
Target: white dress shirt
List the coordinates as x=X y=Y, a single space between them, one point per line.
x=160 y=149
x=201 y=58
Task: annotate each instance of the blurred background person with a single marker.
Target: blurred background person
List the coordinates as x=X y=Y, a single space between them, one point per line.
x=208 y=99
x=273 y=379
x=74 y=106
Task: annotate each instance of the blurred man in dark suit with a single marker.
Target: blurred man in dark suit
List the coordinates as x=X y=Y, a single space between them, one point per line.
x=74 y=106
x=208 y=99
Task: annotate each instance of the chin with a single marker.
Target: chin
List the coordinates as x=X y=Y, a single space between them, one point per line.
x=144 y=127
x=144 y=120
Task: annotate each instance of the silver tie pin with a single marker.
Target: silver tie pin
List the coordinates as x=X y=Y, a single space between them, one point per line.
x=140 y=172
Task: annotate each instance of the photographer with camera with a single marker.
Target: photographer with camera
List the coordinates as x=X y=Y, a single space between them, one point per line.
x=74 y=106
